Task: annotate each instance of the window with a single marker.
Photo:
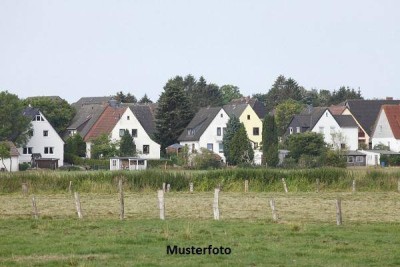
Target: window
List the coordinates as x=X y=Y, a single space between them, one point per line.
x=321 y=129
x=326 y=114
x=218 y=131
x=27 y=150
x=45 y=133
x=342 y=146
x=146 y=149
x=38 y=118
x=222 y=115
x=248 y=117
x=290 y=130
x=49 y=150
x=298 y=129
x=359 y=159
x=134 y=132
x=114 y=162
x=210 y=146
x=350 y=159
x=128 y=118
x=221 y=148
x=256 y=131
x=190 y=131
x=121 y=132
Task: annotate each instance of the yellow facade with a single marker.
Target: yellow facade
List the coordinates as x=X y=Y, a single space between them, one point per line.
x=253 y=125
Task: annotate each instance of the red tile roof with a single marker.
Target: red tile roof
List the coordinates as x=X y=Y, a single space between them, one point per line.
x=393 y=115
x=106 y=122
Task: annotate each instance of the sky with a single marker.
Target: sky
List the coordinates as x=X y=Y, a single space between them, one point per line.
x=80 y=48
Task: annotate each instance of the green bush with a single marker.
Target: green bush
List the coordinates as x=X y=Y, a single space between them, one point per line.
x=24 y=166
x=206 y=159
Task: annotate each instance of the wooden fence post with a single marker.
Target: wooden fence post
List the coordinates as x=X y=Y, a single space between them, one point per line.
x=34 y=208
x=24 y=189
x=168 y=187
x=354 y=186
x=274 y=214
x=338 y=211
x=70 y=187
x=216 y=204
x=121 y=199
x=246 y=186
x=161 y=204
x=164 y=187
x=78 y=205
x=191 y=187
x=317 y=185
x=284 y=185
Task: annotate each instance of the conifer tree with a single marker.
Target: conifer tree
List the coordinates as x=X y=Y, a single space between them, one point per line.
x=240 y=150
x=231 y=128
x=270 y=141
x=127 y=146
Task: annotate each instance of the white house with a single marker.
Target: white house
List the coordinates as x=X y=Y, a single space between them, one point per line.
x=10 y=164
x=137 y=119
x=386 y=130
x=206 y=130
x=43 y=139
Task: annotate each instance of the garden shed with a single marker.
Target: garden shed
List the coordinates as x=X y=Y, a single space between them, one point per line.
x=127 y=163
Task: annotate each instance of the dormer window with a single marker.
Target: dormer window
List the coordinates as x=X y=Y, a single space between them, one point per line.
x=38 y=118
x=290 y=130
x=190 y=131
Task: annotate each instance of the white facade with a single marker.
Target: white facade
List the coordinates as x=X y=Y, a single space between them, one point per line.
x=10 y=164
x=373 y=158
x=334 y=134
x=44 y=140
x=145 y=146
x=211 y=139
x=383 y=134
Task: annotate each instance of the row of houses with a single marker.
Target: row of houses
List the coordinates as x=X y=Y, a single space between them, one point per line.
x=358 y=126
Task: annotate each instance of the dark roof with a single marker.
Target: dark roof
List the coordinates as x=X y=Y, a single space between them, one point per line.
x=313 y=114
x=145 y=114
x=393 y=116
x=100 y=100
x=366 y=111
x=354 y=153
x=199 y=124
x=345 y=121
x=258 y=106
x=30 y=112
x=235 y=109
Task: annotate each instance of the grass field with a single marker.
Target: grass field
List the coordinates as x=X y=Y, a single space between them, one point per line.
x=306 y=234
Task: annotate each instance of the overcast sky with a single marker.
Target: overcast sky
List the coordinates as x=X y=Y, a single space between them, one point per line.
x=96 y=48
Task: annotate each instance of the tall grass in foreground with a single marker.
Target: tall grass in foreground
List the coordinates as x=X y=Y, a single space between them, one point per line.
x=260 y=180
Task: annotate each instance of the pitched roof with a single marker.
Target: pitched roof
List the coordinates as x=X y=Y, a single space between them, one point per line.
x=106 y=122
x=337 y=110
x=312 y=114
x=199 y=124
x=145 y=114
x=366 y=111
x=30 y=112
x=345 y=121
x=13 y=149
x=100 y=100
x=258 y=107
x=235 y=109
x=393 y=115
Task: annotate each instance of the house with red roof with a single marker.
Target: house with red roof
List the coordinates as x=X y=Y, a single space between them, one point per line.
x=386 y=130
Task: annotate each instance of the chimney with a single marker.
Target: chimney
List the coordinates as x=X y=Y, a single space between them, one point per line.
x=389 y=98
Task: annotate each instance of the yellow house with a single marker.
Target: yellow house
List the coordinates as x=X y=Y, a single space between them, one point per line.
x=249 y=118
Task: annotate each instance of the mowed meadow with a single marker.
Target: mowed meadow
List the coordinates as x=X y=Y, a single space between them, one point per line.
x=305 y=233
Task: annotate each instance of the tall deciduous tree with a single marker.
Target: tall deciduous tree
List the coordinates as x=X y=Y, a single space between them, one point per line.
x=229 y=92
x=270 y=141
x=284 y=113
x=127 y=146
x=103 y=147
x=240 y=150
x=173 y=113
x=14 y=126
x=232 y=127
x=57 y=110
x=308 y=143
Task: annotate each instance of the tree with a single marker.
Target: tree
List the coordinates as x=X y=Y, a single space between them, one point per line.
x=308 y=143
x=75 y=145
x=57 y=111
x=240 y=150
x=128 y=98
x=4 y=153
x=14 y=125
x=229 y=92
x=284 y=113
x=231 y=128
x=202 y=94
x=270 y=141
x=127 y=146
x=145 y=99
x=102 y=147
x=173 y=113
x=344 y=94
x=282 y=90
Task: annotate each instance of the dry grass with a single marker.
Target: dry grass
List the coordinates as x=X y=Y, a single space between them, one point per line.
x=292 y=207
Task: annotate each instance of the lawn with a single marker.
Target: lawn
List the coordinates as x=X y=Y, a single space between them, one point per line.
x=305 y=235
